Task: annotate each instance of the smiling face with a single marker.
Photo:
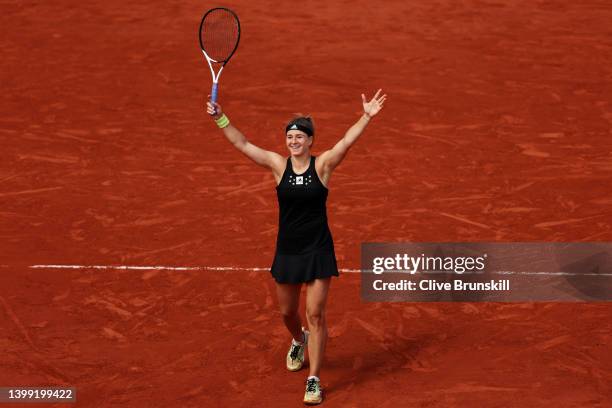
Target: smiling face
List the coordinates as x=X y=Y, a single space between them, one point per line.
x=298 y=142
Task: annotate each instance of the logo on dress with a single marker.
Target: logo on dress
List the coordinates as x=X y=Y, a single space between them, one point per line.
x=299 y=180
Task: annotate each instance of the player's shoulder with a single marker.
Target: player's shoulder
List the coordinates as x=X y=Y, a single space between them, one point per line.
x=277 y=162
x=277 y=158
x=323 y=158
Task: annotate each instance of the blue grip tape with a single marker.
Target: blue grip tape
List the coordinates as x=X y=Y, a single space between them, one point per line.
x=213 y=93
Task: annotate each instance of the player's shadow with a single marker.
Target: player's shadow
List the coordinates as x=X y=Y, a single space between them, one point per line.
x=375 y=360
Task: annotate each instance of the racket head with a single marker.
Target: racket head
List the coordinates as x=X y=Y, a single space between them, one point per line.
x=219 y=34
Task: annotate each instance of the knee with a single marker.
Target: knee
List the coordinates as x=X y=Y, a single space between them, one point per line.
x=315 y=317
x=288 y=312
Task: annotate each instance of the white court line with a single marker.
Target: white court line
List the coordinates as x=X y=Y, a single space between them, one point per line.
x=260 y=269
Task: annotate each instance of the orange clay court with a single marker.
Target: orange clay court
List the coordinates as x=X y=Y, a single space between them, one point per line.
x=497 y=129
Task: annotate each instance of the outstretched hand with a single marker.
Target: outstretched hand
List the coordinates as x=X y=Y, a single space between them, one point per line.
x=374 y=106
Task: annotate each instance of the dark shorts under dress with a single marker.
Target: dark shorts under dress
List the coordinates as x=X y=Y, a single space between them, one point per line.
x=304 y=246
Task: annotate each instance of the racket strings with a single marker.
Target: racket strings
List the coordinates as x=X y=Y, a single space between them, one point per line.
x=219 y=34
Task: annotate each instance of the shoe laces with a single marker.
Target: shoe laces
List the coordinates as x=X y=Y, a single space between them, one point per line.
x=311 y=385
x=295 y=349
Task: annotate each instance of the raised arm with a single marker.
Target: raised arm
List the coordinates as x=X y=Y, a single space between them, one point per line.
x=333 y=157
x=265 y=158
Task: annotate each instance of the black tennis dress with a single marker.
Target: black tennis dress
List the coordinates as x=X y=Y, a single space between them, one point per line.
x=304 y=246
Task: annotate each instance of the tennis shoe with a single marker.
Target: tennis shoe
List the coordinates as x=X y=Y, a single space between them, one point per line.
x=314 y=392
x=295 y=355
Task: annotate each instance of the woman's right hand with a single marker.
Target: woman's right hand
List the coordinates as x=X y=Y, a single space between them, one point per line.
x=214 y=109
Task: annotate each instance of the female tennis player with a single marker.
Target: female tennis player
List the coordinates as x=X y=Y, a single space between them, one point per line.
x=304 y=246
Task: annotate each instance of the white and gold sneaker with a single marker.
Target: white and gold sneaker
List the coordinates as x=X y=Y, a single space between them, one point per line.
x=295 y=355
x=314 y=392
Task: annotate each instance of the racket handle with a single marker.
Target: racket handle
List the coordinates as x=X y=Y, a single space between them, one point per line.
x=213 y=93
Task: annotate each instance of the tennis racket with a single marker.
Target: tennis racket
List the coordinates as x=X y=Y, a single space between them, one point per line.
x=219 y=37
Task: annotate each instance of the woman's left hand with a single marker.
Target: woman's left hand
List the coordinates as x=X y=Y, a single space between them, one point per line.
x=374 y=106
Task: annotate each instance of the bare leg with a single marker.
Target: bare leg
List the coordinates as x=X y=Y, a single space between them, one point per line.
x=316 y=298
x=289 y=302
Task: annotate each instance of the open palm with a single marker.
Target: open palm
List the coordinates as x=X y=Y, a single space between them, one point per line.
x=374 y=106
